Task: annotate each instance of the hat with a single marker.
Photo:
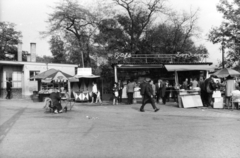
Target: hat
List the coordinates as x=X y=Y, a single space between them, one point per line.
x=148 y=79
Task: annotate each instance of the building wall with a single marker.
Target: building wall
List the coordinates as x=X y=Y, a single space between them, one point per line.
x=13 y=72
x=30 y=86
x=20 y=74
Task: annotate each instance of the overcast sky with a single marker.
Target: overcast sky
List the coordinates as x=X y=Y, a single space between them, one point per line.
x=30 y=16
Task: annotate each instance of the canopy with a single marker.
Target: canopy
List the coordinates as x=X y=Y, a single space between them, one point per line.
x=86 y=76
x=52 y=74
x=188 y=67
x=77 y=77
x=226 y=72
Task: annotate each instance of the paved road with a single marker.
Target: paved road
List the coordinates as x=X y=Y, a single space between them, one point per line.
x=121 y=131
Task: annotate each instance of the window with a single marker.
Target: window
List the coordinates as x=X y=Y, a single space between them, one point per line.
x=32 y=74
x=17 y=79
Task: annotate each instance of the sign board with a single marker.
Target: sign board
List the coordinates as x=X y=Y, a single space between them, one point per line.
x=84 y=71
x=190 y=101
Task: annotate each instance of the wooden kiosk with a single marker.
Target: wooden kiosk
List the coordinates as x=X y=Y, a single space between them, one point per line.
x=80 y=85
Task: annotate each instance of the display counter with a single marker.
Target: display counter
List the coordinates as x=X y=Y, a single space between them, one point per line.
x=189 y=98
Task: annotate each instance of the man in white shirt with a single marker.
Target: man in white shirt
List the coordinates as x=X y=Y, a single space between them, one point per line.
x=94 y=92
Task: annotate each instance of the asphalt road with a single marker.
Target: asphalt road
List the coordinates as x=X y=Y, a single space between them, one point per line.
x=107 y=131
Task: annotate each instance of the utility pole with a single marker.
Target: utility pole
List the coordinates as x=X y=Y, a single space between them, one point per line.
x=223 y=51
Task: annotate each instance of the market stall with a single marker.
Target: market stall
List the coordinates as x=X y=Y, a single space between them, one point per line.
x=49 y=80
x=231 y=95
x=188 y=98
x=82 y=83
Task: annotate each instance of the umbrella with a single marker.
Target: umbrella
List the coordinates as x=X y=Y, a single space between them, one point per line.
x=52 y=74
x=226 y=72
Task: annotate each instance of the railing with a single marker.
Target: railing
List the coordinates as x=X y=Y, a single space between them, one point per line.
x=160 y=58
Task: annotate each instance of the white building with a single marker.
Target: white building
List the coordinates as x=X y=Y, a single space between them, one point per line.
x=20 y=72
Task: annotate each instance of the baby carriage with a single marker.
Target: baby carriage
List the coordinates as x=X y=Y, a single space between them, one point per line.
x=48 y=105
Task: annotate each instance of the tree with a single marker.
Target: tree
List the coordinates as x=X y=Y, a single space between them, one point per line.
x=58 y=50
x=228 y=33
x=9 y=39
x=44 y=59
x=137 y=18
x=71 y=18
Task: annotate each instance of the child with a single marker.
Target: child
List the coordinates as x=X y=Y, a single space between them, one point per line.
x=98 y=98
x=115 y=94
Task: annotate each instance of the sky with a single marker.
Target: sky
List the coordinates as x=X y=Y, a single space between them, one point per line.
x=30 y=17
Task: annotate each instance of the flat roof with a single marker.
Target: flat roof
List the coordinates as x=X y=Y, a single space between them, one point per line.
x=160 y=65
x=5 y=62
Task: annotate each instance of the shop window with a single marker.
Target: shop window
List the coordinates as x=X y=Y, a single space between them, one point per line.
x=32 y=74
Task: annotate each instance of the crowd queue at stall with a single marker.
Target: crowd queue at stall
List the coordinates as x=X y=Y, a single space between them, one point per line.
x=209 y=90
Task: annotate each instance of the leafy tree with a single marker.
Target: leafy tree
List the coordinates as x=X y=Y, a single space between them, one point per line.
x=9 y=39
x=58 y=50
x=44 y=59
x=228 y=33
x=137 y=17
x=71 y=18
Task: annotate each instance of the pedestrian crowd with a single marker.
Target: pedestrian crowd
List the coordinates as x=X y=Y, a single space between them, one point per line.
x=149 y=91
x=161 y=91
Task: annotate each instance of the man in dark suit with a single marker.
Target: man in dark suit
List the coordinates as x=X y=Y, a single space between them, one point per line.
x=210 y=86
x=9 y=89
x=55 y=97
x=158 y=87
x=148 y=96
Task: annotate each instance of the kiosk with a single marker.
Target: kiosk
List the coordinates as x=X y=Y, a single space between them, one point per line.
x=81 y=84
x=50 y=79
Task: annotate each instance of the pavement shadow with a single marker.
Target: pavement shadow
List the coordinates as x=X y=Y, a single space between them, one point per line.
x=138 y=109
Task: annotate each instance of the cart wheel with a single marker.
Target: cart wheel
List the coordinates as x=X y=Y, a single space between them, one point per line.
x=65 y=108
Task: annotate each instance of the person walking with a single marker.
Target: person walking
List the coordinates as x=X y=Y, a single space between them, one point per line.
x=148 y=96
x=142 y=89
x=9 y=89
x=158 y=87
x=130 y=90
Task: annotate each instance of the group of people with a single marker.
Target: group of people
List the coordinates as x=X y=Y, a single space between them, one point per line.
x=208 y=86
x=149 y=91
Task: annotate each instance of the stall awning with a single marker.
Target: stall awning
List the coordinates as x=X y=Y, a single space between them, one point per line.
x=52 y=74
x=77 y=77
x=189 y=67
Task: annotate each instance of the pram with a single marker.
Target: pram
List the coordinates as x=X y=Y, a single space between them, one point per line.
x=48 y=105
